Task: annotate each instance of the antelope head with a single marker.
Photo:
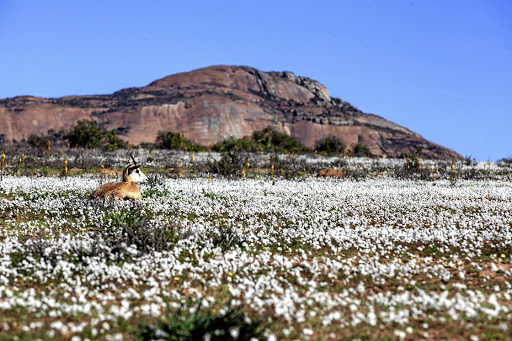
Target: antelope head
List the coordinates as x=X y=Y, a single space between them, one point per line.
x=132 y=173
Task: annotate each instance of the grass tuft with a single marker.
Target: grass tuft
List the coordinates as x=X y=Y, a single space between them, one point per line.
x=232 y=324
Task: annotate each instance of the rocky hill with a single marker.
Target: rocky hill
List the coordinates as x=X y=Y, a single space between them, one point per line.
x=210 y=104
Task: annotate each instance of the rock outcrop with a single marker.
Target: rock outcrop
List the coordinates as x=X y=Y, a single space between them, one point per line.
x=331 y=173
x=210 y=104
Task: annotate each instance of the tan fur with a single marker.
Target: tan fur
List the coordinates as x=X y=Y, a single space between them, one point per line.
x=118 y=191
x=125 y=190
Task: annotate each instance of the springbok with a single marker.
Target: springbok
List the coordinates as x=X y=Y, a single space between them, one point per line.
x=125 y=190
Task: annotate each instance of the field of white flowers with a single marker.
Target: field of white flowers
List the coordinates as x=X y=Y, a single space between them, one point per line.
x=372 y=258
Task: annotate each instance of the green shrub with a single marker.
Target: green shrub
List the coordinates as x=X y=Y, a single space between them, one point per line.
x=289 y=168
x=469 y=160
x=262 y=140
x=38 y=141
x=227 y=239
x=90 y=134
x=203 y=325
x=113 y=142
x=148 y=237
x=232 y=144
x=330 y=144
x=86 y=133
x=230 y=164
x=505 y=162
x=171 y=140
x=413 y=159
x=360 y=150
x=278 y=142
x=129 y=227
x=41 y=141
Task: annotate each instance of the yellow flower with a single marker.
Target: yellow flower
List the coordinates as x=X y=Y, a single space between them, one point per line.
x=503 y=255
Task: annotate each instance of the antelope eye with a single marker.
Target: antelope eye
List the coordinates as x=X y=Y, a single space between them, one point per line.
x=137 y=171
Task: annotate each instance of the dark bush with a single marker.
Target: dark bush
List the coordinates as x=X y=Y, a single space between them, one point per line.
x=413 y=159
x=330 y=144
x=278 y=142
x=90 y=134
x=148 y=237
x=154 y=179
x=203 y=325
x=230 y=164
x=130 y=227
x=227 y=239
x=469 y=160
x=289 y=168
x=51 y=253
x=86 y=134
x=38 y=141
x=232 y=144
x=171 y=140
x=505 y=162
x=263 y=140
x=361 y=150
x=113 y=142
x=42 y=141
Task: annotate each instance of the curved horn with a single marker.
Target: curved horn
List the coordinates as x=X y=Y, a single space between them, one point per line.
x=131 y=155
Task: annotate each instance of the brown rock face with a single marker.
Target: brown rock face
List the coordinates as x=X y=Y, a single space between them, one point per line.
x=210 y=104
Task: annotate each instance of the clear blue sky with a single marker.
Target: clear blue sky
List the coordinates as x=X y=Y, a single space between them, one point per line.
x=440 y=68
